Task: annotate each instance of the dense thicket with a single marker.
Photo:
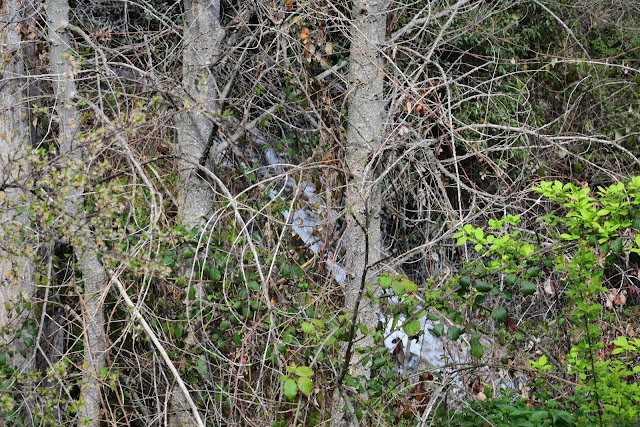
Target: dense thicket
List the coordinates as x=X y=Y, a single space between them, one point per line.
x=220 y=212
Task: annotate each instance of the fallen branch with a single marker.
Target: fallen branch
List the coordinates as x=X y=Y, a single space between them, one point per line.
x=136 y=314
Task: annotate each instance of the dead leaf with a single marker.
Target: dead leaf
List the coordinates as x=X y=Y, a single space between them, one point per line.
x=548 y=286
x=328 y=48
x=614 y=297
x=630 y=331
x=511 y=327
x=22 y=32
x=304 y=34
x=621 y=298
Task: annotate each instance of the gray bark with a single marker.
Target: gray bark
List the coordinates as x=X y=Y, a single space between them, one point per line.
x=203 y=34
x=364 y=138
x=202 y=38
x=16 y=256
x=93 y=275
x=16 y=265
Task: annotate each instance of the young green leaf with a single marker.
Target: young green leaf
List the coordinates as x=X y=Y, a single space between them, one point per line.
x=304 y=385
x=290 y=388
x=304 y=371
x=307 y=328
x=411 y=328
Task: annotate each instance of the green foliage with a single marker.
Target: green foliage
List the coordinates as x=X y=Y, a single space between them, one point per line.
x=592 y=231
x=299 y=379
x=507 y=409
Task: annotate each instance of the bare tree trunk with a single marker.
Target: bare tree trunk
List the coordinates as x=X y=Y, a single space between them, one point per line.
x=16 y=266
x=93 y=275
x=364 y=134
x=202 y=37
x=16 y=256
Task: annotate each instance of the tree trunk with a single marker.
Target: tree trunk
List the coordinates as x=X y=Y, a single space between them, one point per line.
x=364 y=135
x=16 y=265
x=93 y=275
x=16 y=254
x=202 y=37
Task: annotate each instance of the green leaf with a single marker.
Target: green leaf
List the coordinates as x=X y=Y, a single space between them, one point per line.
x=236 y=338
x=476 y=348
x=297 y=270
x=616 y=245
x=201 y=367
x=411 y=328
x=453 y=332
x=409 y=286
x=169 y=259
x=398 y=287
x=465 y=282
x=533 y=271
x=177 y=330
x=482 y=286
x=622 y=341
x=528 y=288
x=538 y=416
x=192 y=293
x=307 y=328
x=214 y=274
x=509 y=279
x=3 y=359
x=378 y=362
x=290 y=388
x=187 y=253
x=506 y=294
x=437 y=330
x=305 y=384
x=285 y=270
x=499 y=314
x=385 y=281
x=304 y=371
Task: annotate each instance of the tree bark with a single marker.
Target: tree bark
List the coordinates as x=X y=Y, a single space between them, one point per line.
x=16 y=265
x=16 y=256
x=94 y=277
x=203 y=34
x=202 y=38
x=364 y=133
